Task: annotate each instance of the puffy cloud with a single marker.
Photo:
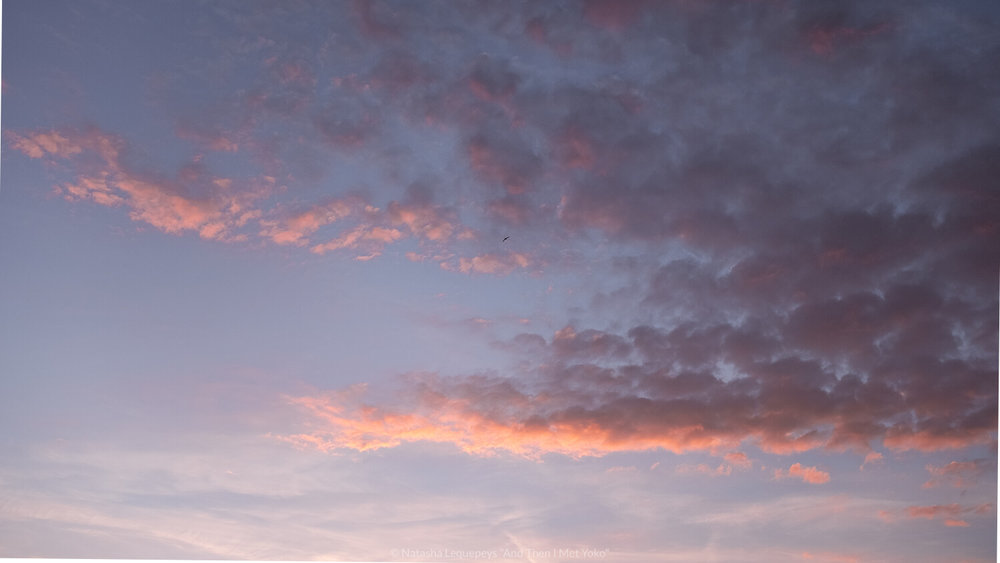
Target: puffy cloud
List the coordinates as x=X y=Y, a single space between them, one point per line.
x=872 y=458
x=586 y=395
x=810 y=475
x=739 y=459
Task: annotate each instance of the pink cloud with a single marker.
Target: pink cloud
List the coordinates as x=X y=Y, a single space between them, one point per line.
x=97 y=189
x=163 y=203
x=959 y=474
x=424 y=220
x=782 y=406
x=951 y=515
x=439 y=416
x=934 y=511
x=738 y=459
x=512 y=210
x=903 y=438
x=807 y=474
x=296 y=228
x=498 y=264
x=364 y=237
x=38 y=145
x=871 y=458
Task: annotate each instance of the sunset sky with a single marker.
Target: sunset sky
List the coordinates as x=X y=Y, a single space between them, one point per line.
x=258 y=299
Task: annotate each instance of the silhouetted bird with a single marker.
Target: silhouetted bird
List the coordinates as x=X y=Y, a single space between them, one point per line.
x=505 y=238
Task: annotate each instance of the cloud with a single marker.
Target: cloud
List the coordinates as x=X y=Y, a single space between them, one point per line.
x=733 y=461
x=958 y=474
x=40 y=144
x=739 y=459
x=219 y=208
x=593 y=392
x=705 y=469
x=804 y=194
x=493 y=80
x=426 y=221
x=369 y=238
x=872 y=458
x=194 y=200
x=810 y=475
x=949 y=514
x=295 y=228
x=493 y=263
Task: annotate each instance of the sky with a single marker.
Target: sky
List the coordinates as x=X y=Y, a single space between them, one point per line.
x=523 y=281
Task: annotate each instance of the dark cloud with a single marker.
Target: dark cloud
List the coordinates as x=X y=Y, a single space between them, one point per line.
x=805 y=192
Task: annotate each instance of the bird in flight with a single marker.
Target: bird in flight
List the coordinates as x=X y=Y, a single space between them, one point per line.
x=505 y=238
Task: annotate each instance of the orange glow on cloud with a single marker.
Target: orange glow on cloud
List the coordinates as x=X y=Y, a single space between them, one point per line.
x=212 y=207
x=949 y=514
x=738 y=459
x=870 y=458
x=807 y=474
x=349 y=424
x=483 y=415
x=925 y=441
x=934 y=511
x=160 y=203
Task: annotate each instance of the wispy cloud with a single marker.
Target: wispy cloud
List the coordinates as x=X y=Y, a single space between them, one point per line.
x=949 y=514
x=958 y=474
x=192 y=201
